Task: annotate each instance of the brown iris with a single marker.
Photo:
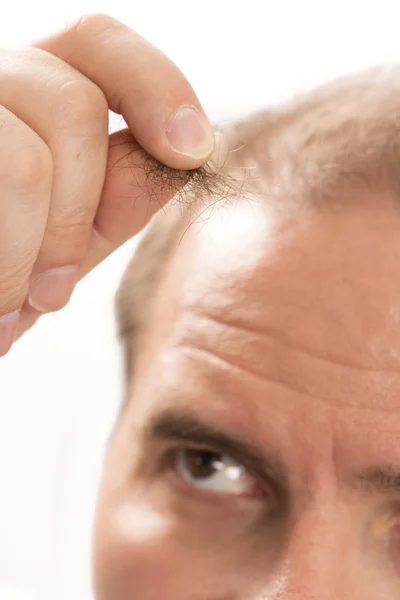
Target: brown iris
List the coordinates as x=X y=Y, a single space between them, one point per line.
x=200 y=464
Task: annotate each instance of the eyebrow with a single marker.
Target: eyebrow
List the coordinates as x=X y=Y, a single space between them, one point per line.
x=182 y=426
x=379 y=479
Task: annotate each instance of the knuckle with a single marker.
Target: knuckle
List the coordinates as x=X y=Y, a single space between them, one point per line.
x=14 y=283
x=74 y=227
x=82 y=102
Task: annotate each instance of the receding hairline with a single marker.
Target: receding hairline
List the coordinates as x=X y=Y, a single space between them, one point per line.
x=142 y=277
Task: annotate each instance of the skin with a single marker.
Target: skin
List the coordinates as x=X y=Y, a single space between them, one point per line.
x=273 y=343
x=278 y=334
x=70 y=192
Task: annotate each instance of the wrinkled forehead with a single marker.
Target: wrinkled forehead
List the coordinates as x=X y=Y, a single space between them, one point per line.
x=300 y=311
x=324 y=278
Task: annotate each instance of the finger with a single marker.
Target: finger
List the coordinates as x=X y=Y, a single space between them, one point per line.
x=70 y=113
x=25 y=191
x=140 y=83
x=126 y=205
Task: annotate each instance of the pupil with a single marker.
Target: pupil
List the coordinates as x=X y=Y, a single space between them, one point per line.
x=201 y=464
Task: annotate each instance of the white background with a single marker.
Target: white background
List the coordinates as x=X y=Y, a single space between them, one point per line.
x=61 y=384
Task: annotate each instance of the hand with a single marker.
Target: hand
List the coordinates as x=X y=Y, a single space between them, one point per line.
x=67 y=196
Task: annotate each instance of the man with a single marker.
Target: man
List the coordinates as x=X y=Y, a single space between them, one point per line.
x=256 y=455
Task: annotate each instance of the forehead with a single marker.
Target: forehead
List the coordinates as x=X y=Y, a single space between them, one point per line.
x=283 y=329
x=326 y=279
x=308 y=299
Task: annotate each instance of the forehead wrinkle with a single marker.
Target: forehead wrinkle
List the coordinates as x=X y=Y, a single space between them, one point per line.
x=333 y=285
x=280 y=337
x=215 y=358
x=294 y=370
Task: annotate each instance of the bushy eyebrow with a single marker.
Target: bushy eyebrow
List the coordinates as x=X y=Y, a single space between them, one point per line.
x=183 y=426
x=381 y=479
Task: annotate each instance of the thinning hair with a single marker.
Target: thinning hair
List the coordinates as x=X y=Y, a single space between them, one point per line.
x=340 y=137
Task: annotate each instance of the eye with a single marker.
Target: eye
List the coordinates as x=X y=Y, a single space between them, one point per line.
x=215 y=472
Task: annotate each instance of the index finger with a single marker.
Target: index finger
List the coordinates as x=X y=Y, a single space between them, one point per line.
x=139 y=82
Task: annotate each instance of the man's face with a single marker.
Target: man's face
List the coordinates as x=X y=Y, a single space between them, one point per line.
x=259 y=456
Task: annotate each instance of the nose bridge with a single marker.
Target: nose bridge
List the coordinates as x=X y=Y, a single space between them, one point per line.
x=319 y=560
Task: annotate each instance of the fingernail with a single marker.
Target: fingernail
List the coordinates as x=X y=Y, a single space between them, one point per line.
x=8 y=328
x=52 y=289
x=190 y=133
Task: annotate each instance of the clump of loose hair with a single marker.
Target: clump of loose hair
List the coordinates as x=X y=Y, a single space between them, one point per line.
x=341 y=137
x=212 y=182
x=197 y=185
